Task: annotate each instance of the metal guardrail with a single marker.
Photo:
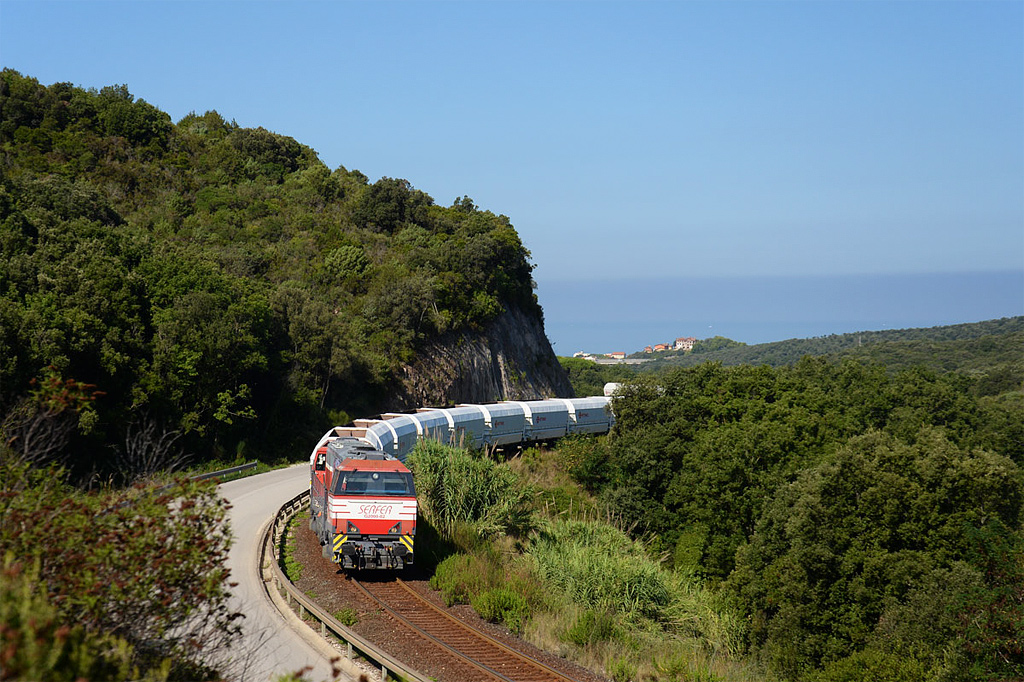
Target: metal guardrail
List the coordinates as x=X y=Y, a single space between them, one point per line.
x=200 y=477
x=225 y=472
x=270 y=561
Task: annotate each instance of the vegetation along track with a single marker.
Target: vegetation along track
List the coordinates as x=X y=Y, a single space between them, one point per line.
x=491 y=659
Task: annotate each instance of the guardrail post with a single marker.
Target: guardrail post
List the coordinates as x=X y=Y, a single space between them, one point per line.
x=383 y=674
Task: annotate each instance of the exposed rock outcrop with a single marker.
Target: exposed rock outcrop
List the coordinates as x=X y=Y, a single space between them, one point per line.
x=511 y=359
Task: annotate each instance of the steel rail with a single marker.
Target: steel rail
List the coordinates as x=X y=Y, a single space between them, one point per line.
x=409 y=624
x=466 y=628
x=526 y=658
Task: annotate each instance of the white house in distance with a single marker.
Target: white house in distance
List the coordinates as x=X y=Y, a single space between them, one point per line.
x=684 y=343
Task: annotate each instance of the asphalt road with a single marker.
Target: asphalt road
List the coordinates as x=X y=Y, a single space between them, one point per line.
x=272 y=645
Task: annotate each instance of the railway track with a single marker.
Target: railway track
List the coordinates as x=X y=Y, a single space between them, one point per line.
x=482 y=656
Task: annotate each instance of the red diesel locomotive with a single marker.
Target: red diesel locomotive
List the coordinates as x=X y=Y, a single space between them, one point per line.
x=362 y=506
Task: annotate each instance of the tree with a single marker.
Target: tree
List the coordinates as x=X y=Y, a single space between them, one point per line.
x=39 y=428
x=139 y=122
x=266 y=154
x=992 y=614
x=390 y=202
x=860 y=531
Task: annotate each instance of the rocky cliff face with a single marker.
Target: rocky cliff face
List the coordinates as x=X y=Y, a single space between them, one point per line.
x=511 y=359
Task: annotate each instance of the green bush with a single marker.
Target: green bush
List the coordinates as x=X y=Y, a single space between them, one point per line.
x=502 y=605
x=461 y=576
x=874 y=665
x=38 y=644
x=590 y=627
x=347 y=617
x=499 y=592
x=585 y=459
x=133 y=578
x=621 y=669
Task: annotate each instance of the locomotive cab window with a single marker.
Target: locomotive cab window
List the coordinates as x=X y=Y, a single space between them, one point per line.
x=374 y=483
x=321 y=461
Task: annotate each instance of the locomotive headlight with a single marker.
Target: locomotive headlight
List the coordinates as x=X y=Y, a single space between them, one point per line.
x=352 y=529
x=395 y=529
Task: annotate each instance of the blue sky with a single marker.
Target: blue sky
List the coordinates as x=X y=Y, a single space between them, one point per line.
x=624 y=139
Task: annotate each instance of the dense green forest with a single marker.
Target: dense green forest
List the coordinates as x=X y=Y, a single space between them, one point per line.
x=858 y=516
x=207 y=289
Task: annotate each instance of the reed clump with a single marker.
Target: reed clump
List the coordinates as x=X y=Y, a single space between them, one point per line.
x=456 y=486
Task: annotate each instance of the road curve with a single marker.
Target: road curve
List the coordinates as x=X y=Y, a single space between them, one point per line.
x=272 y=645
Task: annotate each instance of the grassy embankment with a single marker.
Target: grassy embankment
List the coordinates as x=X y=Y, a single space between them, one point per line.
x=526 y=547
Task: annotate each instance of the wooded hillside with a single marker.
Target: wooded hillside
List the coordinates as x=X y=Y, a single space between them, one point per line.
x=207 y=288
x=942 y=348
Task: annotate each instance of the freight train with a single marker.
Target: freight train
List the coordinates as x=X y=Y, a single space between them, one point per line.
x=362 y=498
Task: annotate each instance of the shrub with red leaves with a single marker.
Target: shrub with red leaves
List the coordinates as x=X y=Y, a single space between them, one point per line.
x=145 y=565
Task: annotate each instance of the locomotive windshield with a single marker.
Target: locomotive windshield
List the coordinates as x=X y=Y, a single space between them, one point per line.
x=374 y=483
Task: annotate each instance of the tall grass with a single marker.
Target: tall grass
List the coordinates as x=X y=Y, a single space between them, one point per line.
x=696 y=611
x=557 y=493
x=623 y=613
x=603 y=642
x=597 y=566
x=455 y=486
x=460 y=577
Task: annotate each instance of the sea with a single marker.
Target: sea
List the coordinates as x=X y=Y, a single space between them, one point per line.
x=603 y=316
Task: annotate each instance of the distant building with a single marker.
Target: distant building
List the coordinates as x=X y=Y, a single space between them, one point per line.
x=648 y=349
x=617 y=355
x=685 y=343
x=661 y=346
